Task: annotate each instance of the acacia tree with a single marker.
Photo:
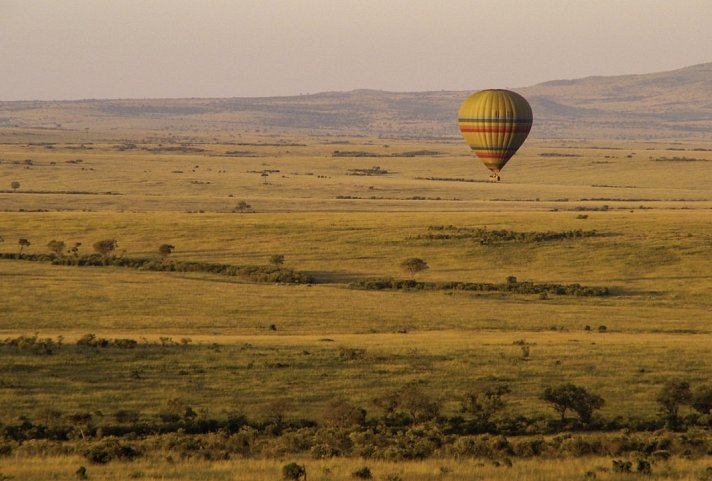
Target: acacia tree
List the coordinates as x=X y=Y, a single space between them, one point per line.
x=412 y=401
x=414 y=265
x=485 y=403
x=242 y=206
x=23 y=243
x=576 y=398
x=341 y=413
x=276 y=260
x=14 y=185
x=106 y=246
x=56 y=246
x=673 y=395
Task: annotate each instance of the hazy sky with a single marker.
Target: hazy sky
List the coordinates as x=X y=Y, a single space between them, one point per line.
x=74 y=49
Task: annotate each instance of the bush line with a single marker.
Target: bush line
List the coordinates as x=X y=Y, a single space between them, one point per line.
x=487 y=236
x=254 y=273
x=512 y=286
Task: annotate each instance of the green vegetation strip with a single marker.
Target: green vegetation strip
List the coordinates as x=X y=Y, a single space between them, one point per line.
x=511 y=286
x=487 y=236
x=253 y=273
x=408 y=422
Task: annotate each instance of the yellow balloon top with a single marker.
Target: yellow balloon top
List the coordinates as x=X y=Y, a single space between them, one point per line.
x=495 y=124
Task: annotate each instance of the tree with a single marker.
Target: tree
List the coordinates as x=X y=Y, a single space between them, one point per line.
x=56 y=246
x=23 y=243
x=702 y=399
x=414 y=265
x=242 y=206
x=81 y=421
x=485 y=403
x=165 y=249
x=177 y=410
x=275 y=413
x=106 y=246
x=413 y=401
x=673 y=395
x=276 y=260
x=576 y=398
x=14 y=185
x=340 y=413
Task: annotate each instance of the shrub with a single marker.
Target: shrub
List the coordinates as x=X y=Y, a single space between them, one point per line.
x=362 y=473
x=57 y=247
x=294 y=471
x=126 y=416
x=5 y=450
x=702 y=399
x=414 y=265
x=109 y=449
x=644 y=467
x=81 y=473
x=106 y=246
x=351 y=353
x=166 y=249
x=622 y=466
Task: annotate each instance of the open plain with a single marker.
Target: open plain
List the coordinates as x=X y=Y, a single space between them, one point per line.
x=84 y=344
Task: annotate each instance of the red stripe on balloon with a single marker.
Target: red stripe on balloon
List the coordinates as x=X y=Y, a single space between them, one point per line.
x=491 y=155
x=517 y=130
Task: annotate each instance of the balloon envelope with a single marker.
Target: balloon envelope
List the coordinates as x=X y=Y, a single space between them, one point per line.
x=495 y=124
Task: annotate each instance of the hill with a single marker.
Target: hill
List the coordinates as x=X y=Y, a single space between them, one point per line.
x=667 y=105
x=674 y=104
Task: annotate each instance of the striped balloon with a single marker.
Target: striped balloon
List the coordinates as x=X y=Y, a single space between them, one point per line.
x=495 y=124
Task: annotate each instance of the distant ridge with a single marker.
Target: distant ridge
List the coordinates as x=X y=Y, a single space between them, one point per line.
x=677 y=103
x=665 y=105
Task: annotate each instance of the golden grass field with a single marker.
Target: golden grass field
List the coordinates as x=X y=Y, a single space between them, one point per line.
x=336 y=469
x=655 y=254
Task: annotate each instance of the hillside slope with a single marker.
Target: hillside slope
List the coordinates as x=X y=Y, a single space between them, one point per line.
x=666 y=105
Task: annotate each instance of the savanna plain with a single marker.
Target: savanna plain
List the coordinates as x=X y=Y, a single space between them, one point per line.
x=278 y=330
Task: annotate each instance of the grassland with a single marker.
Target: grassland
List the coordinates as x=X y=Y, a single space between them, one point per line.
x=252 y=344
x=325 y=470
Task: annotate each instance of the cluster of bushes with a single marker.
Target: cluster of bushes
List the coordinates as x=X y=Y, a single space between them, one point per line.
x=451 y=179
x=47 y=346
x=254 y=273
x=90 y=340
x=34 y=344
x=361 y=153
x=487 y=236
x=375 y=197
x=678 y=159
x=511 y=285
x=375 y=170
x=219 y=440
x=411 y=426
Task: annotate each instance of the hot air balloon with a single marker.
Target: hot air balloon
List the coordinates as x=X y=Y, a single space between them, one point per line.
x=495 y=124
